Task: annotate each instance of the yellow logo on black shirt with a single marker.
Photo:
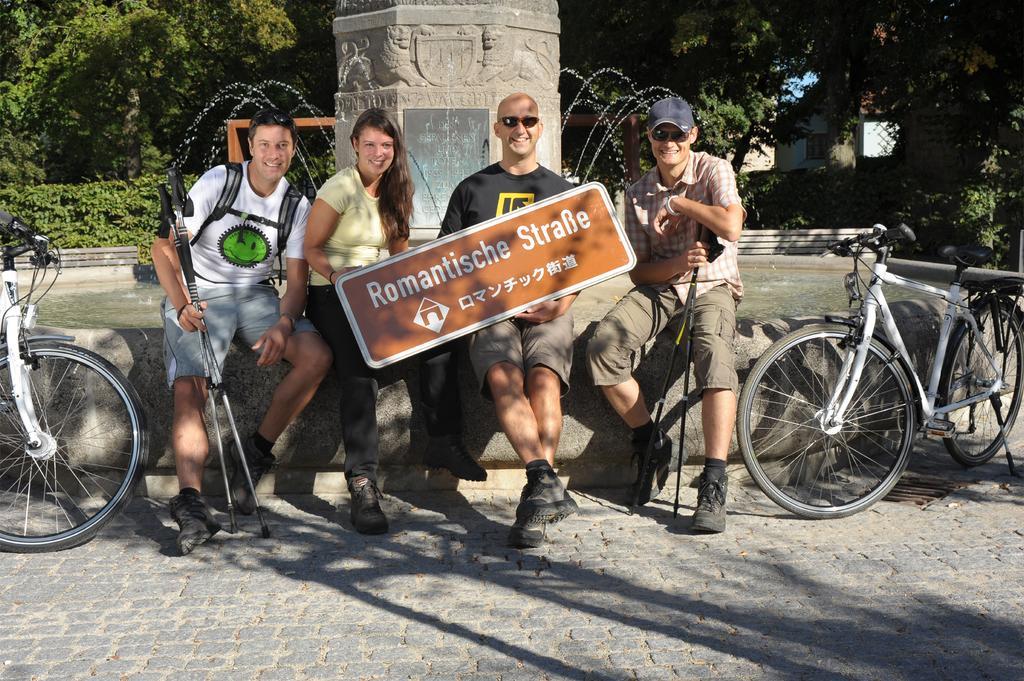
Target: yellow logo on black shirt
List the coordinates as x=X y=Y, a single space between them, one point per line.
x=508 y=202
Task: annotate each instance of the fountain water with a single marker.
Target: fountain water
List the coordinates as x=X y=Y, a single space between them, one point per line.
x=610 y=111
x=231 y=100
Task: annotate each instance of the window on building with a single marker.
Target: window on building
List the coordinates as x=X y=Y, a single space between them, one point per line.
x=880 y=138
x=817 y=145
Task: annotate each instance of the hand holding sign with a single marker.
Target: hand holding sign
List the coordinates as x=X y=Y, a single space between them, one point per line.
x=546 y=311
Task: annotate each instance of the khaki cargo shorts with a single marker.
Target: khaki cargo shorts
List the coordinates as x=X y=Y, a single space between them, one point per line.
x=525 y=345
x=643 y=313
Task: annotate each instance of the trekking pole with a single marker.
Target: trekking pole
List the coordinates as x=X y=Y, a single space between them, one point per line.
x=714 y=250
x=688 y=327
x=180 y=206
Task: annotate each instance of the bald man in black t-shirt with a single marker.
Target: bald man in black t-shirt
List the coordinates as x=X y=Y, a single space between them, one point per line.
x=523 y=363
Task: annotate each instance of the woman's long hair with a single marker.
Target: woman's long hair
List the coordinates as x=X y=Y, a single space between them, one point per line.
x=394 y=198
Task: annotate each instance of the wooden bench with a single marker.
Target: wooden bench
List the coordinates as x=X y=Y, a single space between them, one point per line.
x=93 y=257
x=792 y=241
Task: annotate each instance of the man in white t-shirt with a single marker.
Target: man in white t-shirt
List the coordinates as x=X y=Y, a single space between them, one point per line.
x=233 y=255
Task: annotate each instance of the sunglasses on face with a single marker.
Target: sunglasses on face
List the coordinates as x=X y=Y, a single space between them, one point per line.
x=661 y=135
x=513 y=121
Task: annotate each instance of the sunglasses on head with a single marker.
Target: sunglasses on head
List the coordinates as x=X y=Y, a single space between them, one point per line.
x=513 y=121
x=661 y=134
x=272 y=117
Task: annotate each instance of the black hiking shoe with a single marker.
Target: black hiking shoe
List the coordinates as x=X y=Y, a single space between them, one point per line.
x=526 y=537
x=449 y=452
x=544 y=499
x=710 y=513
x=652 y=478
x=522 y=535
x=195 y=520
x=258 y=465
x=367 y=515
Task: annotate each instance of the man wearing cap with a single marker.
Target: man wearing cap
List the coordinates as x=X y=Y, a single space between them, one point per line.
x=670 y=213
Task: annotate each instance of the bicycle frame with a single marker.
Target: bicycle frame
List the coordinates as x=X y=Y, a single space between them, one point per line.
x=875 y=305
x=39 y=444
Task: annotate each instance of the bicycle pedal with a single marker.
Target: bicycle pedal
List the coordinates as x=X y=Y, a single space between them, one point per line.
x=940 y=428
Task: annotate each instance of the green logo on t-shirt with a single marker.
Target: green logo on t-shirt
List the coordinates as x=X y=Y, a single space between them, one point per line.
x=244 y=246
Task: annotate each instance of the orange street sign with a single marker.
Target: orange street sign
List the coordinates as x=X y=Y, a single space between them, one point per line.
x=465 y=281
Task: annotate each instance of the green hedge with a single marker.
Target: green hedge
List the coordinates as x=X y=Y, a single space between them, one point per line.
x=985 y=209
x=108 y=213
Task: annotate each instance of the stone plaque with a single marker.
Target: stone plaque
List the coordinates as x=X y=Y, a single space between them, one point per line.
x=445 y=146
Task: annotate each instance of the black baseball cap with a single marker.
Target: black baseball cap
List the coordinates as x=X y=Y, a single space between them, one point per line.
x=671 y=110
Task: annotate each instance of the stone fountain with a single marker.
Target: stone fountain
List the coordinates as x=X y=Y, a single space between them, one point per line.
x=440 y=67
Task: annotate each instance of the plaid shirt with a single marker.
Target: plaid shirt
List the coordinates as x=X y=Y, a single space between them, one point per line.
x=706 y=179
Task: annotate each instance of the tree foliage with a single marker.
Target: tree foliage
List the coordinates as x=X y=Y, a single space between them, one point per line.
x=737 y=62
x=107 y=89
x=115 y=89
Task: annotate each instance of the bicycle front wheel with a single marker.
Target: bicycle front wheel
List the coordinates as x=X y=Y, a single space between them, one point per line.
x=977 y=438
x=806 y=468
x=58 y=496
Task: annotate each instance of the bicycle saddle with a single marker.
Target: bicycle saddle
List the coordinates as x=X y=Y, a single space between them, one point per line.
x=966 y=256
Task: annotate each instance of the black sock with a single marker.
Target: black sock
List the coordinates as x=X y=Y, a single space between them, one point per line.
x=714 y=468
x=642 y=434
x=262 y=444
x=189 y=490
x=538 y=465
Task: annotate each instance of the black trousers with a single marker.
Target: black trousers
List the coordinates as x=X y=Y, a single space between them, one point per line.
x=439 y=389
x=357 y=381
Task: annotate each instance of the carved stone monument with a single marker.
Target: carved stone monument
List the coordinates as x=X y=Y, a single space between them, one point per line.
x=441 y=67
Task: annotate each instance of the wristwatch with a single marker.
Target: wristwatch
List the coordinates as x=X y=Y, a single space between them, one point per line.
x=668 y=206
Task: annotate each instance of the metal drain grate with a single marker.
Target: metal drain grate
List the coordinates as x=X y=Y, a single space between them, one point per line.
x=921 y=490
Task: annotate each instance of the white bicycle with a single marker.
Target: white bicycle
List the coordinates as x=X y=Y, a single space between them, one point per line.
x=828 y=414
x=72 y=430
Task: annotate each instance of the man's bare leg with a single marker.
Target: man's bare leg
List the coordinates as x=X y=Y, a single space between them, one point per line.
x=544 y=391
x=627 y=400
x=718 y=417
x=311 y=360
x=191 y=448
x=514 y=413
x=544 y=497
x=189 y=443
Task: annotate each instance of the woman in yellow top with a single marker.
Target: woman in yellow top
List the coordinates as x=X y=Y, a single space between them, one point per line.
x=357 y=213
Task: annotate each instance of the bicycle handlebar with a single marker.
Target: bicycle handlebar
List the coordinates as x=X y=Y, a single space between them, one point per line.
x=878 y=237
x=37 y=243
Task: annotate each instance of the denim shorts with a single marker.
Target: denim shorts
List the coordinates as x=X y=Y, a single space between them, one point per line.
x=243 y=311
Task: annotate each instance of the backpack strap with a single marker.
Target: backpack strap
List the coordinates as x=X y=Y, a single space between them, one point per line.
x=228 y=194
x=285 y=219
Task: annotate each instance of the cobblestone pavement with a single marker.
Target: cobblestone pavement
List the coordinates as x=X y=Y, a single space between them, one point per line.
x=896 y=592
